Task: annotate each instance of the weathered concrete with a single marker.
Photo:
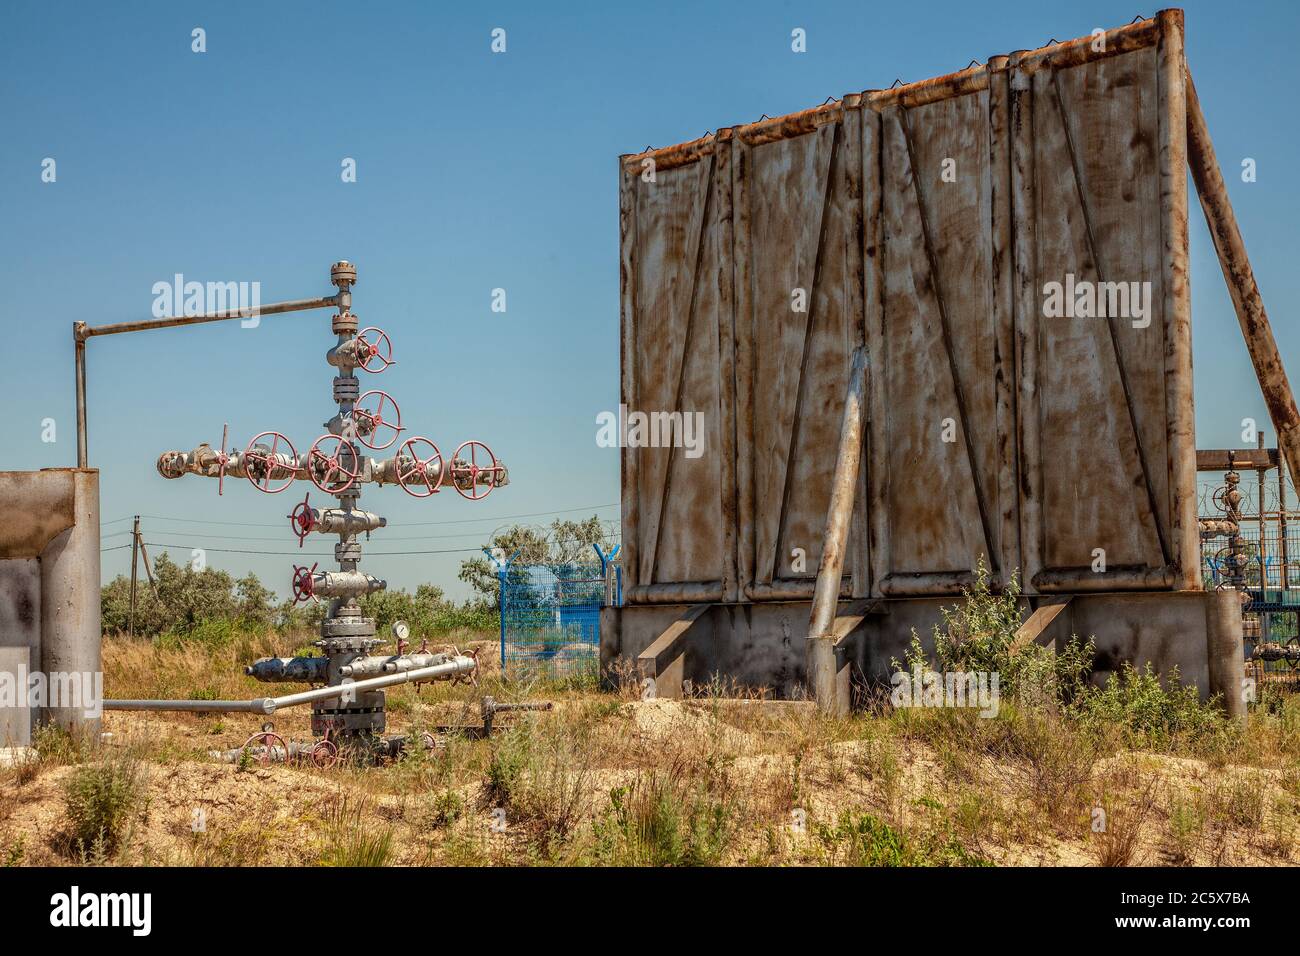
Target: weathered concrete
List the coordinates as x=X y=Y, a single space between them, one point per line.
x=50 y=586
x=761 y=645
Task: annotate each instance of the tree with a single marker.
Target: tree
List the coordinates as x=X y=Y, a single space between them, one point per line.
x=564 y=543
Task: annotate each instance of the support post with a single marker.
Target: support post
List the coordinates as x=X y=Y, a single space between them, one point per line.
x=828 y=686
x=135 y=554
x=79 y=348
x=1240 y=279
x=1224 y=650
x=503 y=571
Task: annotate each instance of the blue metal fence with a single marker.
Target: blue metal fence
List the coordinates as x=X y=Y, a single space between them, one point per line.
x=550 y=616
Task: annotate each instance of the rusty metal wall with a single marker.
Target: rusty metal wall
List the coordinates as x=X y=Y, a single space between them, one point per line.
x=923 y=221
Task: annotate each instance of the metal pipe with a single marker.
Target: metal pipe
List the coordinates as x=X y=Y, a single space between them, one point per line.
x=79 y=351
x=275 y=308
x=1240 y=279
x=820 y=649
x=269 y=705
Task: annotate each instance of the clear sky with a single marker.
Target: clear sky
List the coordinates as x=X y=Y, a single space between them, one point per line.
x=475 y=171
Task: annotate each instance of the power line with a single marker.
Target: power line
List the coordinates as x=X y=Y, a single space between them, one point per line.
x=305 y=554
x=410 y=524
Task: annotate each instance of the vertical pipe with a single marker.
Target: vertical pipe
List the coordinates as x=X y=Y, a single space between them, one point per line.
x=1176 y=307
x=79 y=351
x=1285 y=581
x=501 y=613
x=1263 y=549
x=1240 y=278
x=820 y=650
x=135 y=554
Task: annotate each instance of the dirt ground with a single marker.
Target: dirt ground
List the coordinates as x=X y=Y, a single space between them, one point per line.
x=608 y=778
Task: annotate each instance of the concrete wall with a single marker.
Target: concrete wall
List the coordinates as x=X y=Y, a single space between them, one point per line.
x=762 y=645
x=49 y=591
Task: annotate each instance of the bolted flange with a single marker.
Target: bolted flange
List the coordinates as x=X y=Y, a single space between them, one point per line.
x=343 y=272
x=346 y=389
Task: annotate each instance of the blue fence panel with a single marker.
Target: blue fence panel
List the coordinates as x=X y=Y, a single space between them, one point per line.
x=550 y=617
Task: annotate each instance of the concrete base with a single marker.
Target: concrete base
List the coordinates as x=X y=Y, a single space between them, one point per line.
x=762 y=645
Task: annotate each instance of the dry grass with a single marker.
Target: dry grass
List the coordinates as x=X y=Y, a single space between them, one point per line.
x=611 y=779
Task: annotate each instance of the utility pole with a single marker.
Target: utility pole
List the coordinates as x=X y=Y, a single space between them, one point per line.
x=135 y=551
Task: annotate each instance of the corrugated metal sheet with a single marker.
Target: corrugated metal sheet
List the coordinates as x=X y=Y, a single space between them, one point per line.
x=1069 y=436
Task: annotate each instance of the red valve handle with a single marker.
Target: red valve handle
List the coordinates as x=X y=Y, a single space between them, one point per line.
x=303 y=586
x=472 y=470
x=333 y=464
x=268 y=740
x=379 y=352
x=419 y=469
x=368 y=422
x=325 y=753
x=266 y=462
x=302 y=520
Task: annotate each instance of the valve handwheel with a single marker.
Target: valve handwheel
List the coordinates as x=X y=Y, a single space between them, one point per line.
x=373 y=420
x=325 y=753
x=374 y=354
x=332 y=464
x=303 y=519
x=260 y=465
x=303 y=583
x=424 y=473
x=470 y=471
x=272 y=748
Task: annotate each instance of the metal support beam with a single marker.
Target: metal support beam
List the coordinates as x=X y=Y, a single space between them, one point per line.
x=1240 y=278
x=823 y=674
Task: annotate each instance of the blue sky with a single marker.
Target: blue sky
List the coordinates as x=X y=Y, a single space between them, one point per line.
x=475 y=171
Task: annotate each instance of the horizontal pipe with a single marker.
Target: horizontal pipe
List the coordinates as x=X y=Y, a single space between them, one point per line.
x=1073 y=580
x=683 y=592
x=296 y=305
x=263 y=705
x=269 y=705
x=457 y=665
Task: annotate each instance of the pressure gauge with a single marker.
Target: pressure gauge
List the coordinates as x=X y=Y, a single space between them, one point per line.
x=400 y=630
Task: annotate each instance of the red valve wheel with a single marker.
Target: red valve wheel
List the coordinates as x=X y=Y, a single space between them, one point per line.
x=369 y=422
x=325 y=753
x=260 y=465
x=303 y=519
x=470 y=472
x=418 y=471
x=303 y=583
x=376 y=355
x=332 y=464
x=270 y=743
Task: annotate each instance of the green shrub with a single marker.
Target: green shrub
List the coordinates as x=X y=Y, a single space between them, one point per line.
x=978 y=635
x=661 y=819
x=1152 y=714
x=99 y=800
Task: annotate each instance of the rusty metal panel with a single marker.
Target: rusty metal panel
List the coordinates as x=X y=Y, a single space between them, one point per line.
x=677 y=333
x=926 y=221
